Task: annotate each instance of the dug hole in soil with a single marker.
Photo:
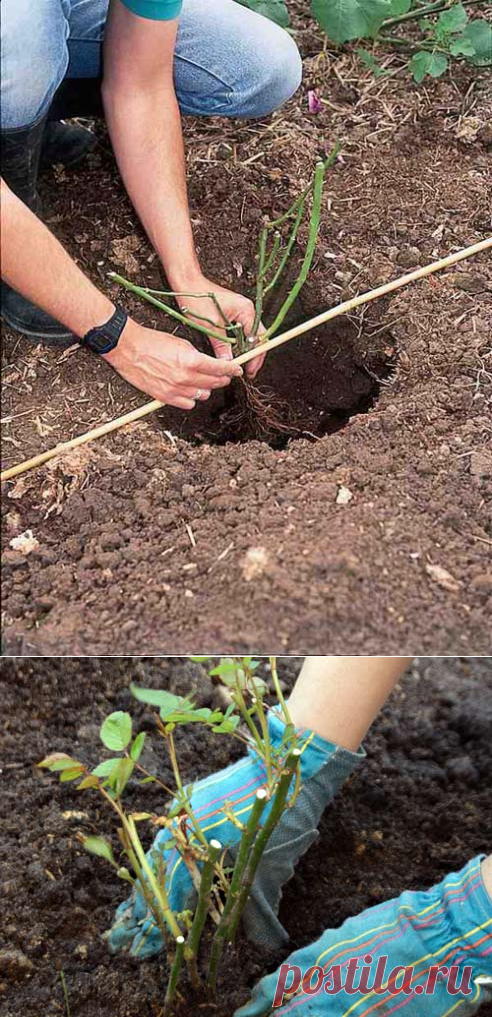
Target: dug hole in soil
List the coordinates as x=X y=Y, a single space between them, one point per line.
x=361 y=524
x=419 y=807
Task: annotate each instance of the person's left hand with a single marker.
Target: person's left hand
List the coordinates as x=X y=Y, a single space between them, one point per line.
x=236 y=308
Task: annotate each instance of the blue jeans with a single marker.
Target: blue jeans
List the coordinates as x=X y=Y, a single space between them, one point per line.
x=228 y=60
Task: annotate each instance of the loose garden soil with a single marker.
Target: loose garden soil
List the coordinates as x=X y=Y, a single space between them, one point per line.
x=418 y=808
x=156 y=538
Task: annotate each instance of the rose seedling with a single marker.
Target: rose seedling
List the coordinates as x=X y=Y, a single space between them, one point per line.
x=222 y=888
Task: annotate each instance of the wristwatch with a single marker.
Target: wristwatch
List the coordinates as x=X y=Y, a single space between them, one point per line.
x=104 y=338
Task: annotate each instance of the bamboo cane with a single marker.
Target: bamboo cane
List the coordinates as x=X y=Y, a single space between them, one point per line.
x=292 y=333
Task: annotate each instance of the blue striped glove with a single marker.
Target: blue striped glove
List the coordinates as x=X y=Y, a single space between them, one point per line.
x=441 y=937
x=324 y=767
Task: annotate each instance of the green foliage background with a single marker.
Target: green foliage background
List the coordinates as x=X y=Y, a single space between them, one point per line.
x=446 y=32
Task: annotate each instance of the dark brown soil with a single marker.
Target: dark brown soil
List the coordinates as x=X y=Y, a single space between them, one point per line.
x=419 y=807
x=156 y=538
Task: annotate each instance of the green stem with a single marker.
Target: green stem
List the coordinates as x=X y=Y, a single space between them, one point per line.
x=260 y=275
x=273 y=254
x=182 y=795
x=129 y=844
x=245 y=844
x=434 y=8
x=140 y=291
x=280 y=696
x=267 y=748
x=290 y=243
x=175 y=973
x=63 y=981
x=310 y=248
x=201 y=912
x=274 y=816
x=196 y=296
x=159 y=892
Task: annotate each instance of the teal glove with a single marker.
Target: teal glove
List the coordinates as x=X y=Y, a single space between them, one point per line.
x=324 y=767
x=449 y=925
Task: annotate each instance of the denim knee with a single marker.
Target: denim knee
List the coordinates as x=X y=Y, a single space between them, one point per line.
x=276 y=73
x=34 y=59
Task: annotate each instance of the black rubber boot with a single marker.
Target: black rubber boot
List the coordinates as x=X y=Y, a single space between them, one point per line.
x=65 y=144
x=21 y=153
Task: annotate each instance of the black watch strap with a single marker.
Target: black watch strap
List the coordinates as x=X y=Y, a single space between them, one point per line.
x=104 y=338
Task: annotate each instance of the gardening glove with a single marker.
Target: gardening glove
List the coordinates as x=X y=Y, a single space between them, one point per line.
x=449 y=925
x=323 y=768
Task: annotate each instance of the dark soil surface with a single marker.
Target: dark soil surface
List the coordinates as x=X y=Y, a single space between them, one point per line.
x=420 y=806
x=156 y=538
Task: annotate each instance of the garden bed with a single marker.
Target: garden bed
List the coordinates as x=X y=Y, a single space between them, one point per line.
x=394 y=826
x=256 y=543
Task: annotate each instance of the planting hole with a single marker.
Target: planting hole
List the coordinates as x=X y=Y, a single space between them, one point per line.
x=308 y=388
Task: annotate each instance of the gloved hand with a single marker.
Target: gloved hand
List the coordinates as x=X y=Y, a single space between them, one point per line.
x=324 y=767
x=451 y=924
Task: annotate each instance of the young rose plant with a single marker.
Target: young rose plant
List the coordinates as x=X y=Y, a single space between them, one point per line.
x=275 y=249
x=222 y=889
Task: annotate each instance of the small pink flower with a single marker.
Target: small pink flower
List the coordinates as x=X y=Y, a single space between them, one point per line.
x=314 y=102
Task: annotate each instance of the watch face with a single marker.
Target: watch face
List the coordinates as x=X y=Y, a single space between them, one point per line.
x=100 y=343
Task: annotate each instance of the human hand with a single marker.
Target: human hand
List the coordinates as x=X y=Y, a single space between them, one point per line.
x=357 y=968
x=134 y=928
x=168 y=368
x=238 y=309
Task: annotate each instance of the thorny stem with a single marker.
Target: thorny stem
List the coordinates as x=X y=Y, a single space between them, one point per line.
x=288 y=249
x=267 y=748
x=135 y=853
x=174 y=973
x=197 y=296
x=201 y=911
x=183 y=798
x=273 y=254
x=260 y=278
x=280 y=696
x=264 y=834
x=246 y=842
x=310 y=247
x=159 y=892
x=146 y=295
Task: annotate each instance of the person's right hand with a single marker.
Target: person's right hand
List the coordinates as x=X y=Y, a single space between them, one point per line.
x=168 y=368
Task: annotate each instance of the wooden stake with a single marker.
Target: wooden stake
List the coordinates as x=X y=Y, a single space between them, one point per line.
x=320 y=319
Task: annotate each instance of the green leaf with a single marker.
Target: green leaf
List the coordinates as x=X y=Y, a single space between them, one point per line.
x=479 y=33
x=275 y=10
x=161 y=698
x=57 y=762
x=355 y=19
x=116 y=732
x=199 y=660
x=438 y=65
x=120 y=775
x=452 y=20
x=100 y=847
x=74 y=774
x=89 y=781
x=227 y=726
x=137 y=747
x=104 y=769
x=461 y=47
x=423 y=63
x=370 y=62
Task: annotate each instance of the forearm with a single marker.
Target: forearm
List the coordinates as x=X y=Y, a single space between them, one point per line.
x=339 y=697
x=36 y=265
x=144 y=123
